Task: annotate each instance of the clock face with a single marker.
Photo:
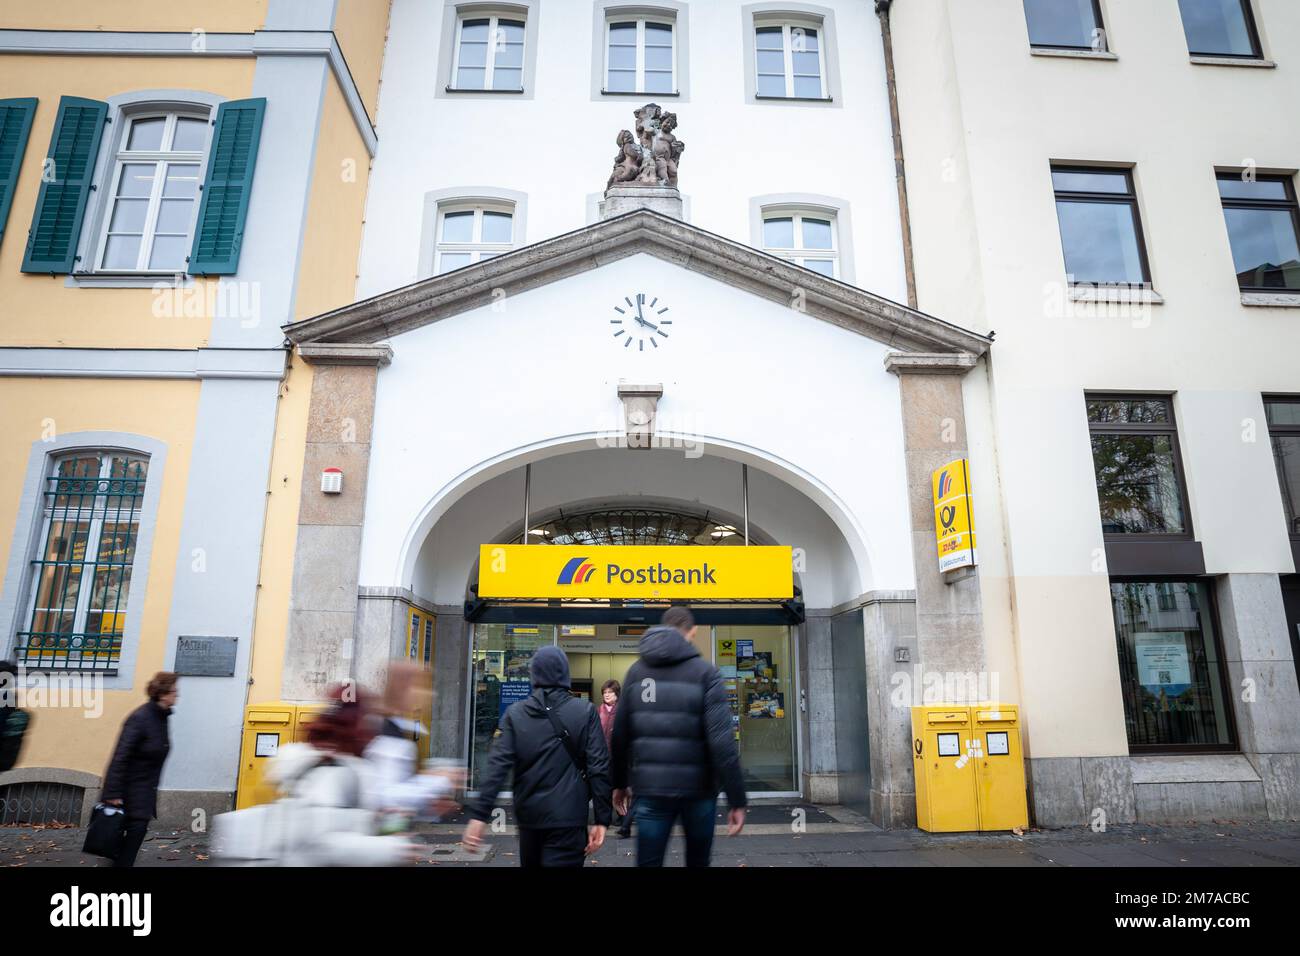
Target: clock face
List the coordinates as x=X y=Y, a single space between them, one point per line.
x=640 y=322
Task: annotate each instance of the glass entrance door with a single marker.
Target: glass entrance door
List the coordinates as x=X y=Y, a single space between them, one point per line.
x=757 y=669
x=498 y=678
x=756 y=663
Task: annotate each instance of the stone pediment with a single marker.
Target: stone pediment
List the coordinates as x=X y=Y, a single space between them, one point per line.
x=381 y=317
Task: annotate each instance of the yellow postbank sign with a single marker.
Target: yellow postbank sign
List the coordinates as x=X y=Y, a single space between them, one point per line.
x=637 y=572
x=954 y=528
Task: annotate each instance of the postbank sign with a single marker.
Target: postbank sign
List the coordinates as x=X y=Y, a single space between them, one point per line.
x=636 y=572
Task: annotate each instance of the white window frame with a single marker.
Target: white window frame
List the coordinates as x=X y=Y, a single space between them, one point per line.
x=46 y=514
x=161 y=159
x=489 y=72
x=787 y=50
x=476 y=246
x=640 y=21
x=798 y=253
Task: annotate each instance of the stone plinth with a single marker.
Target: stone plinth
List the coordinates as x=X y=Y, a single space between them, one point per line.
x=625 y=198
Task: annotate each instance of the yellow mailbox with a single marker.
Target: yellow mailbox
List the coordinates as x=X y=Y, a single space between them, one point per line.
x=999 y=767
x=303 y=715
x=945 y=774
x=266 y=727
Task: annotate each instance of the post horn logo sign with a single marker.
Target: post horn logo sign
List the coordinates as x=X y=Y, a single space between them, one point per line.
x=576 y=571
x=953 y=527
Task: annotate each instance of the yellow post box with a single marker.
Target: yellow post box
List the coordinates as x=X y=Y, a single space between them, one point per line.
x=945 y=773
x=303 y=715
x=266 y=727
x=999 y=767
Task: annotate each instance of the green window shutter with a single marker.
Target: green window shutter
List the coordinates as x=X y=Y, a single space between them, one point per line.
x=15 y=123
x=61 y=204
x=219 y=232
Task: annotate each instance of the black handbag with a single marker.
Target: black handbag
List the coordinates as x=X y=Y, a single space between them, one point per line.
x=106 y=832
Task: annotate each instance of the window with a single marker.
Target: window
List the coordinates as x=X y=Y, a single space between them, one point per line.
x=1263 y=224
x=1101 y=233
x=1171 y=669
x=1220 y=28
x=472 y=233
x=640 y=56
x=489 y=54
x=153 y=194
x=790 y=60
x=1065 y=24
x=1136 y=460
x=82 y=572
x=1284 y=431
x=806 y=238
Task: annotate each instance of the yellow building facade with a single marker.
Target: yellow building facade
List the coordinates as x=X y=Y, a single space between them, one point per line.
x=177 y=182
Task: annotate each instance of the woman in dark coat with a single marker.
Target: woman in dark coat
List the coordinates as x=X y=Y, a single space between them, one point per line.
x=132 y=778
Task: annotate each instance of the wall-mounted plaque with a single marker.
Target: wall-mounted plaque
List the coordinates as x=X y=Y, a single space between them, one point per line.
x=205 y=656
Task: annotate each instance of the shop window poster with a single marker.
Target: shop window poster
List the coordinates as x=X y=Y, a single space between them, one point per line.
x=767 y=705
x=757 y=666
x=1162 y=663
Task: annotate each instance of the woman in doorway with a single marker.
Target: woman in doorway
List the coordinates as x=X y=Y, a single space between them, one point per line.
x=609 y=694
x=132 y=778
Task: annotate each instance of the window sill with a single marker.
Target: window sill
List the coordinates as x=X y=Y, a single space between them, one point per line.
x=633 y=93
x=109 y=280
x=1274 y=300
x=1104 y=293
x=794 y=99
x=457 y=89
x=1075 y=54
x=1257 y=63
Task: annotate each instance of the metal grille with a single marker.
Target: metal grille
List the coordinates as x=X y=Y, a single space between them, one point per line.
x=633 y=526
x=82 y=572
x=35 y=804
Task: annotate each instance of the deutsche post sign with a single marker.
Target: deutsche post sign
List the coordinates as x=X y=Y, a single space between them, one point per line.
x=954 y=529
x=636 y=572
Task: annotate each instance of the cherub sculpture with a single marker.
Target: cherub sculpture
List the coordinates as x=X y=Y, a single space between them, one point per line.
x=648 y=157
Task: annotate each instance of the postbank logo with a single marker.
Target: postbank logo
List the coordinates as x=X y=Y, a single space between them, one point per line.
x=576 y=571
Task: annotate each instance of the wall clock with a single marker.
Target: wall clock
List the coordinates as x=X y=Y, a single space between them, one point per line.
x=640 y=320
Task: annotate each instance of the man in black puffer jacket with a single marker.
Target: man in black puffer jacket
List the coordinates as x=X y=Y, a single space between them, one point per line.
x=674 y=744
x=554 y=780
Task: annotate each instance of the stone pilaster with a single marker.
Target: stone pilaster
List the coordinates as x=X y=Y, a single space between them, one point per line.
x=323 y=607
x=949 y=619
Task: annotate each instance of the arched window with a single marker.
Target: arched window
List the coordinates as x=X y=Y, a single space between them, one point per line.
x=470 y=232
x=153 y=191
x=633 y=526
x=807 y=237
x=90 y=526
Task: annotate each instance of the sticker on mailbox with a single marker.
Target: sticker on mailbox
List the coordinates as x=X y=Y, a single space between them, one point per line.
x=267 y=745
x=949 y=745
x=998 y=743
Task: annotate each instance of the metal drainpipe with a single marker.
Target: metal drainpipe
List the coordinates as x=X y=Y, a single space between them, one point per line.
x=900 y=174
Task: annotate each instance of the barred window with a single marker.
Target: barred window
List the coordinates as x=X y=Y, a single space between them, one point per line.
x=81 y=574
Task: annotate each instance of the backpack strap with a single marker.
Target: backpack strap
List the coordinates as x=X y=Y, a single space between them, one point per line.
x=570 y=745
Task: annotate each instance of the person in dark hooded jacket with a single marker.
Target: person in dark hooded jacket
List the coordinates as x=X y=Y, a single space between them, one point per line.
x=674 y=744
x=552 y=787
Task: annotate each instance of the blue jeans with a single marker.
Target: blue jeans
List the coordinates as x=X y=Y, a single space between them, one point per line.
x=654 y=825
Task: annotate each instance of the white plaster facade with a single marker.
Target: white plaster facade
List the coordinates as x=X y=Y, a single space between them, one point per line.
x=983 y=117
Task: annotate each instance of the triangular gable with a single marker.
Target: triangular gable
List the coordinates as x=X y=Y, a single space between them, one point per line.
x=641 y=231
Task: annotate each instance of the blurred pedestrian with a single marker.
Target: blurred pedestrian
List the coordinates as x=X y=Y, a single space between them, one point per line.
x=400 y=786
x=673 y=744
x=131 y=781
x=327 y=815
x=553 y=743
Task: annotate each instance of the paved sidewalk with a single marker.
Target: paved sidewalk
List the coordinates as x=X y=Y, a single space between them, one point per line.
x=784 y=836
